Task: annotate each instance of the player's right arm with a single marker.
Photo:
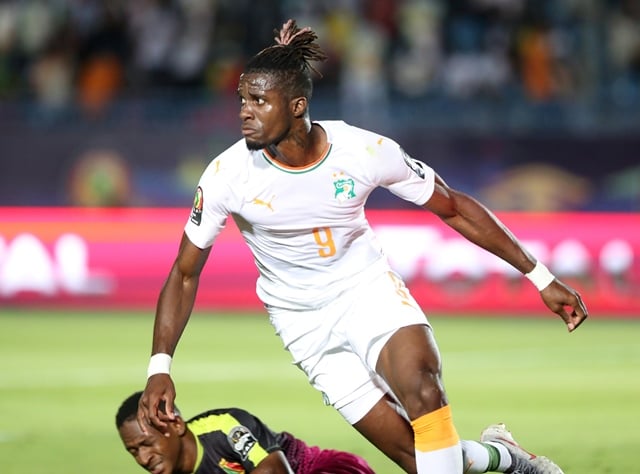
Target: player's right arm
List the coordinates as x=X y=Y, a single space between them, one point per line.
x=274 y=463
x=479 y=225
x=172 y=314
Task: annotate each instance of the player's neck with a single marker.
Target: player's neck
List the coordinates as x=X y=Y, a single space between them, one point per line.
x=189 y=453
x=301 y=148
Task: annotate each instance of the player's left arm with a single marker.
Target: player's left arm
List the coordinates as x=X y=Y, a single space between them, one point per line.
x=479 y=225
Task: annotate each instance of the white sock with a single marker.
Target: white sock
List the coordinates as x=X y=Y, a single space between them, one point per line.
x=441 y=461
x=476 y=457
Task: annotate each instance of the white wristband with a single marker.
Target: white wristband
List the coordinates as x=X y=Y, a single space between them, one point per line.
x=540 y=276
x=159 y=363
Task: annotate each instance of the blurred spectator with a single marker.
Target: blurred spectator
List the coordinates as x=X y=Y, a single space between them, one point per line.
x=153 y=26
x=51 y=76
x=418 y=50
x=41 y=54
x=9 y=72
x=477 y=47
x=624 y=35
x=100 y=79
x=363 y=82
x=102 y=54
x=544 y=55
x=623 y=41
x=37 y=23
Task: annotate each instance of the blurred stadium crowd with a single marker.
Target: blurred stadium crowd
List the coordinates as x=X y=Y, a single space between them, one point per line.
x=511 y=93
x=540 y=50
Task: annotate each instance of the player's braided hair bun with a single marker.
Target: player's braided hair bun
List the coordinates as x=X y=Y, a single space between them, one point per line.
x=295 y=48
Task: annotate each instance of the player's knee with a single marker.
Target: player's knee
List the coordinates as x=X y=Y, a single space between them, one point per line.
x=427 y=396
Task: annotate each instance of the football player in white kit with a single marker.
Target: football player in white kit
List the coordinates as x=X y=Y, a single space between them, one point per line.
x=296 y=189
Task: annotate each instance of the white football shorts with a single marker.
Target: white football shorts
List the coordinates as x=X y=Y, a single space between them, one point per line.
x=338 y=345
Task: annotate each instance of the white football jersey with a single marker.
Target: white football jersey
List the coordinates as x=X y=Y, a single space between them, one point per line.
x=306 y=227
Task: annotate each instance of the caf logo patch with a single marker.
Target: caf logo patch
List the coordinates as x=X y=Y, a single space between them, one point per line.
x=198 y=202
x=242 y=440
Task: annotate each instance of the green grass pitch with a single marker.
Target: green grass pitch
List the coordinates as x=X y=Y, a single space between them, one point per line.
x=574 y=397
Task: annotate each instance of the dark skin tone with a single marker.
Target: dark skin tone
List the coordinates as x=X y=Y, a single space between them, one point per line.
x=175 y=452
x=378 y=425
x=410 y=361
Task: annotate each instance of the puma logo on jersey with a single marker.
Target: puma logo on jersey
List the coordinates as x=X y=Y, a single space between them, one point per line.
x=344 y=188
x=266 y=204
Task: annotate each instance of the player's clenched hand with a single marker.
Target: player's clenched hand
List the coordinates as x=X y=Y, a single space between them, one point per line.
x=156 y=403
x=559 y=298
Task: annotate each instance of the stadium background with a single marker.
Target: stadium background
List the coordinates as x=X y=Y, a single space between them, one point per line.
x=109 y=111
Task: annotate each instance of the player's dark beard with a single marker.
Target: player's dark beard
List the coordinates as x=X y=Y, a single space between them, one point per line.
x=254 y=145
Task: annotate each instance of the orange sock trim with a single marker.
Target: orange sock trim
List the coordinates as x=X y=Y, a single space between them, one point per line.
x=435 y=430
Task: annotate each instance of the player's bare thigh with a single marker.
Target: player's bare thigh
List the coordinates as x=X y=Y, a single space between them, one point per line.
x=410 y=364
